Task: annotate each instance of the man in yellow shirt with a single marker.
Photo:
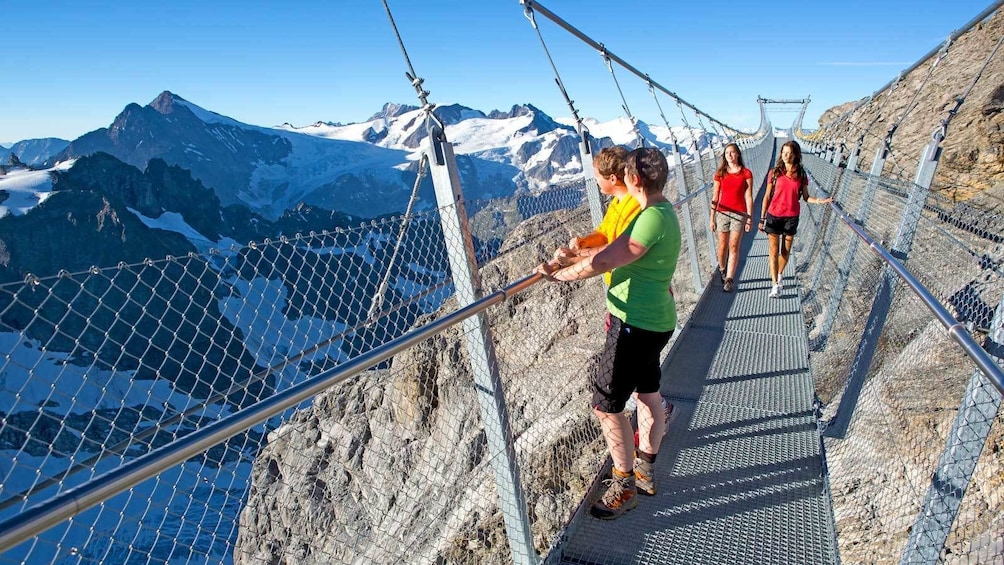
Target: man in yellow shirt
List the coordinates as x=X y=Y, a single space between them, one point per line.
x=608 y=167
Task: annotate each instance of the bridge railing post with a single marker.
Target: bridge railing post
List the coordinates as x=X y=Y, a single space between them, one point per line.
x=480 y=348
x=703 y=181
x=830 y=187
x=839 y=195
x=970 y=430
x=592 y=190
x=688 y=225
x=847 y=261
x=881 y=304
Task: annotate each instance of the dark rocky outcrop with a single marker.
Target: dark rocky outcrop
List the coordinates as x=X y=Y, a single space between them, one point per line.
x=222 y=154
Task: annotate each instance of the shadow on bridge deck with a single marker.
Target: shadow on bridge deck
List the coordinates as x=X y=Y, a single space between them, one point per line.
x=740 y=472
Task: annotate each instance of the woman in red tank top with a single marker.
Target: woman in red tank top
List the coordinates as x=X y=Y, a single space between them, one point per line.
x=787 y=183
x=731 y=211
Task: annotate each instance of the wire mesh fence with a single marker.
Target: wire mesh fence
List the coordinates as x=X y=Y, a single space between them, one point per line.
x=898 y=427
x=398 y=464
x=104 y=366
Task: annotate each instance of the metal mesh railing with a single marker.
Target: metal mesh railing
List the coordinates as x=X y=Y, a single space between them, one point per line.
x=890 y=390
x=106 y=365
x=394 y=464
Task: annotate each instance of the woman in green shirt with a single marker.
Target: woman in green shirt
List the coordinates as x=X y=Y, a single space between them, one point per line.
x=642 y=261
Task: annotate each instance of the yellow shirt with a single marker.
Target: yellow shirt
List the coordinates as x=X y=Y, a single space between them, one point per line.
x=618 y=217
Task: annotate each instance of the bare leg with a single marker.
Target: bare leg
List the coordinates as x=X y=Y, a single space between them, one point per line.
x=772 y=257
x=651 y=422
x=723 y=250
x=785 y=253
x=619 y=437
x=734 y=238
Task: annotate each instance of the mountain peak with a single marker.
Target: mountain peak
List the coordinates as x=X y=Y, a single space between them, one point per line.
x=392 y=110
x=516 y=111
x=164 y=103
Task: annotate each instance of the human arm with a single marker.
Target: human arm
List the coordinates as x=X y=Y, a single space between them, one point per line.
x=813 y=199
x=622 y=251
x=766 y=198
x=716 y=194
x=749 y=203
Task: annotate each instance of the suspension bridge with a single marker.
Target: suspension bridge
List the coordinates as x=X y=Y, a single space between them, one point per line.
x=206 y=408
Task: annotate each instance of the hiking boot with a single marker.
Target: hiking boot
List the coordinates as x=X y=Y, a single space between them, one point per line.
x=717 y=276
x=727 y=285
x=644 y=477
x=620 y=496
x=671 y=411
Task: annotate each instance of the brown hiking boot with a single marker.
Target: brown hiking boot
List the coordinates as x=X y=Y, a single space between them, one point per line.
x=620 y=496
x=644 y=477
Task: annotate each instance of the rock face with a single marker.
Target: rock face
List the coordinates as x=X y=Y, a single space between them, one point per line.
x=394 y=466
x=972 y=162
x=917 y=380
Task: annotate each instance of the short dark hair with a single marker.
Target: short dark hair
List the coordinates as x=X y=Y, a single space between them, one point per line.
x=650 y=165
x=610 y=161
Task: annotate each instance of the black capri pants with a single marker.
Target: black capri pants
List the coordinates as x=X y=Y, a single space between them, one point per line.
x=629 y=362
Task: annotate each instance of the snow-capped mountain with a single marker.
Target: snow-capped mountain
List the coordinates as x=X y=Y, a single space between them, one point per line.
x=26 y=188
x=543 y=150
x=33 y=151
x=269 y=170
x=364 y=169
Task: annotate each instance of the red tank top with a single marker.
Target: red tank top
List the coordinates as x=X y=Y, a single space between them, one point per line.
x=784 y=200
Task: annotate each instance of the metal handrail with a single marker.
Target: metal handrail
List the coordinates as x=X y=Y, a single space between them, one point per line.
x=65 y=505
x=956 y=330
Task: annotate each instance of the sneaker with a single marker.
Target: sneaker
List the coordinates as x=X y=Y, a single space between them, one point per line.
x=721 y=275
x=775 y=291
x=621 y=495
x=727 y=285
x=644 y=477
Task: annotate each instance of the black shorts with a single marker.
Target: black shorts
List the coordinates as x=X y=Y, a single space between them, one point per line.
x=785 y=225
x=629 y=362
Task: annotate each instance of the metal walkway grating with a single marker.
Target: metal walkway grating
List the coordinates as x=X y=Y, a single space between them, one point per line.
x=740 y=473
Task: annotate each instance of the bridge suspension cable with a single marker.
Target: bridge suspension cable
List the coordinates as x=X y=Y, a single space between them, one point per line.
x=959 y=100
x=434 y=126
x=583 y=130
x=405 y=222
x=624 y=104
x=693 y=137
x=531 y=6
x=951 y=39
x=916 y=93
x=940 y=51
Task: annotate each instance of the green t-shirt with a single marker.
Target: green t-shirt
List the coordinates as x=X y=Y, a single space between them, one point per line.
x=639 y=291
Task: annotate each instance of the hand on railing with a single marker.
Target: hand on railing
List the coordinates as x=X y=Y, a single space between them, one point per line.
x=548 y=269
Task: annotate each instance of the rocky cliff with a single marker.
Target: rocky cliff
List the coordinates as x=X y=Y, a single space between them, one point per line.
x=400 y=454
x=972 y=162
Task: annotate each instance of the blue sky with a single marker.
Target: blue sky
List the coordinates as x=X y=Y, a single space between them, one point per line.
x=69 y=67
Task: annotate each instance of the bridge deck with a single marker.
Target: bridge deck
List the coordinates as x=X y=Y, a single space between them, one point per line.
x=740 y=472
